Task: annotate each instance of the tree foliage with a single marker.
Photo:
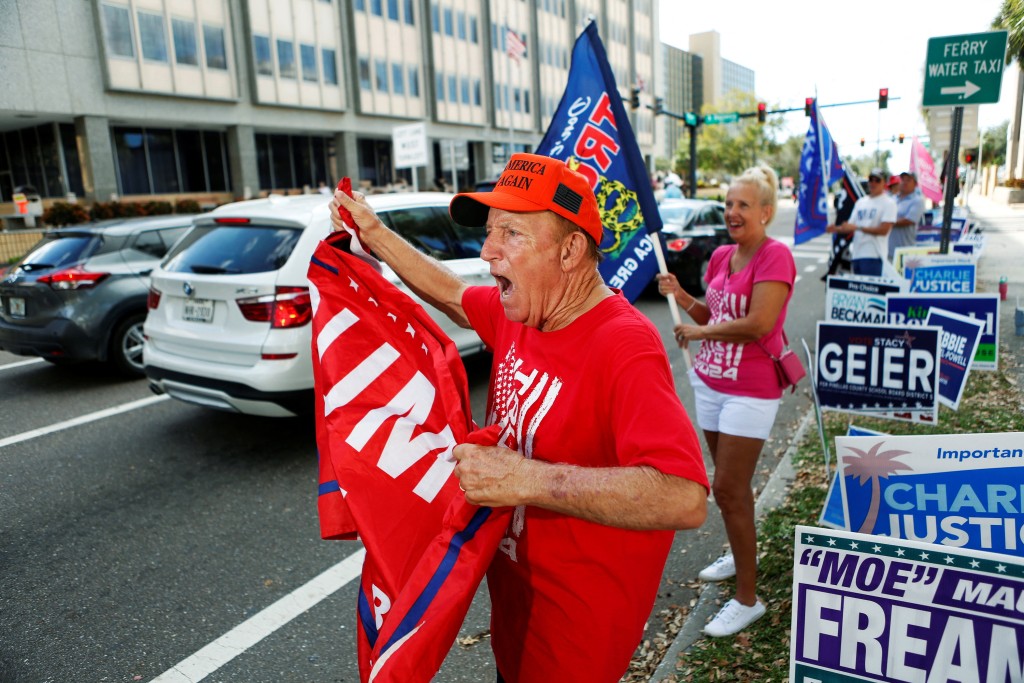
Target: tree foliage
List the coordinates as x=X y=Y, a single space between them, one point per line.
x=993 y=145
x=1011 y=18
x=728 y=149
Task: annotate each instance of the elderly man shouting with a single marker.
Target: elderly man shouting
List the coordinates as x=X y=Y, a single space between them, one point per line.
x=596 y=452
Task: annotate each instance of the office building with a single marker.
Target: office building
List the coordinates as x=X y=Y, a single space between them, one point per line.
x=222 y=99
x=721 y=76
x=684 y=92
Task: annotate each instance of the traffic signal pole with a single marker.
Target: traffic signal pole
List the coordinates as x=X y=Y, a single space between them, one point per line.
x=951 y=180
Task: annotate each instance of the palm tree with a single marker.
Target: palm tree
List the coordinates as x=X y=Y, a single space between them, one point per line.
x=1011 y=18
x=874 y=466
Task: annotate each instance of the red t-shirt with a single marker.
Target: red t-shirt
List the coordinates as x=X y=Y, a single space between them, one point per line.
x=738 y=368
x=570 y=597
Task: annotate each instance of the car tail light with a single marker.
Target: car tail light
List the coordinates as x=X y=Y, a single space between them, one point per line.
x=278 y=356
x=286 y=307
x=72 y=278
x=153 y=300
x=678 y=244
x=232 y=221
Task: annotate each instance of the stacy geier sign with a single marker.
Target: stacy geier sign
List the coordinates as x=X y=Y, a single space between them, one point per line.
x=858 y=299
x=882 y=370
x=868 y=608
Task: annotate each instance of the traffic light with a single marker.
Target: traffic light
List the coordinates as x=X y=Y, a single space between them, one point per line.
x=634 y=98
x=969 y=155
x=901 y=138
x=808 y=103
x=883 y=98
x=862 y=142
x=659 y=105
x=761 y=111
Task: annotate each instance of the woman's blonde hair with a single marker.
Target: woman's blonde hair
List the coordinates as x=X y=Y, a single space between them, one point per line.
x=767 y=183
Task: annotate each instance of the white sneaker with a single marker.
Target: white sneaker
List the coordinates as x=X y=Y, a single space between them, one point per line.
x=733 y=618
x=721 y=569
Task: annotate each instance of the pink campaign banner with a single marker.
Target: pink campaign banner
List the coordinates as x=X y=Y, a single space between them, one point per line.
x=923 y=167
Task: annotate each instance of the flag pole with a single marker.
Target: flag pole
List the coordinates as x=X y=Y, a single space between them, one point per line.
x=508 y=89
x=825 y=180
x=673 y=306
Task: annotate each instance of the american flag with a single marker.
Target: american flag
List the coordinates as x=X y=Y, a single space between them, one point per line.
x=514 y=45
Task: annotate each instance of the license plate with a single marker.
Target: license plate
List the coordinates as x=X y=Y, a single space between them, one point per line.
x=198 y=310
x=16 y=305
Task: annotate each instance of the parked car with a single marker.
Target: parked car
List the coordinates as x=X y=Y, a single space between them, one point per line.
x=692 y=229
x=80 y=293
x=229 y=320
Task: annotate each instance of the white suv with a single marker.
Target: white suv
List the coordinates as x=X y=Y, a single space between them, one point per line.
x=229 y=308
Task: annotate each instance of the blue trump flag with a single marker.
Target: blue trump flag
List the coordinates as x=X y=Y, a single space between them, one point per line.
x=591 y=133
x=820 y=165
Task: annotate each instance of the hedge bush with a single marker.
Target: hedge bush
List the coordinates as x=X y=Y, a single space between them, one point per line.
x=65 y=213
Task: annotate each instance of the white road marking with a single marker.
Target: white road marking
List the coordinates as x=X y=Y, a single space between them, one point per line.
x=810 y=269
x=257 y=627
x=81 y=420
x=21 y=363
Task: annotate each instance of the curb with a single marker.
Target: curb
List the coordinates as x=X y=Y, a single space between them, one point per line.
x=772 y=495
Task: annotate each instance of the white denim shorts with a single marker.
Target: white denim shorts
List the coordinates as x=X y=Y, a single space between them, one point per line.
x=732 y=414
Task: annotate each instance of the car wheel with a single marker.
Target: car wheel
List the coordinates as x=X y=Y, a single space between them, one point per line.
x=696 y=285
x=126 y=345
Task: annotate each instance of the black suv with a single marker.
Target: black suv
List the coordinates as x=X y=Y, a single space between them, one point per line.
x=80 y=293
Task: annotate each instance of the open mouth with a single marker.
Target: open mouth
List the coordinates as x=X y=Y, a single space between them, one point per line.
x=505 y=286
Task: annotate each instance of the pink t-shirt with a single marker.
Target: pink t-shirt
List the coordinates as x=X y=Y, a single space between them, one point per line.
x=737 y=368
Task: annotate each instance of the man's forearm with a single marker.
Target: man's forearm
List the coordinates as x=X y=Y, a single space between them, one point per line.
x=626 y=497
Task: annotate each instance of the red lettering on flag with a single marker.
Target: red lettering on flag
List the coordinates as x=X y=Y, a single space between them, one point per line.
x=603 y=112
x=595 y=144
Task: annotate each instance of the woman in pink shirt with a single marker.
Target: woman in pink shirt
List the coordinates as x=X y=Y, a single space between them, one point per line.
x=736 y=388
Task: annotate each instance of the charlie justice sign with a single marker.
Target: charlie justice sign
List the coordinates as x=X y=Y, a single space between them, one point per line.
x=867 y=608
x=956 y=490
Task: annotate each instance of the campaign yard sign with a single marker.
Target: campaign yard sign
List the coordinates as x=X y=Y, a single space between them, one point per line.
x=867 y=608
x=833 y=514
x=960 y=337
x=881 y=370
x=942 y=276
x=912 y=309
x=858 y=299
x=955 y=490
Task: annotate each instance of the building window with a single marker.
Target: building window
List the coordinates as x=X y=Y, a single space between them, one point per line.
x=476 y=92
x=330 y=65
x=460 y=23
x=286 y=59
x=410 y=15
x=474 y=35
x=364 y=73
x=439 y=86
x=161 y=160
x=377 y=8
x=435 y=17
x=360 y=5
x=449 y=28
x=398 y=79
x=517 y=99
x=213 y=41
x=381 y=67
x=393 y=9
x=152 y=37
x=414 y=81
x=184 y=33
x=308 y=55
x=118 y=24
x=453 y=89
x=261 y=46
x=526 y=101
x=465 y=90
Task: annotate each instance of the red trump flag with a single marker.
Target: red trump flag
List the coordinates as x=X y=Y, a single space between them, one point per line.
x=392 y=402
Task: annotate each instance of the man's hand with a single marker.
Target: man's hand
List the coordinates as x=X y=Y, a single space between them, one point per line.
x=365 y=219
x=491 y=475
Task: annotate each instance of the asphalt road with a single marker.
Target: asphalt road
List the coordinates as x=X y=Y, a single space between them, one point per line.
x=130 y=542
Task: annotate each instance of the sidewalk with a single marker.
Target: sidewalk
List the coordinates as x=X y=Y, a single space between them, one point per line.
x=1003 y=256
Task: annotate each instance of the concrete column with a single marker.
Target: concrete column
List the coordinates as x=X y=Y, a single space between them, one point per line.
x=346 y=157
x=245 y=174
x=96 y=154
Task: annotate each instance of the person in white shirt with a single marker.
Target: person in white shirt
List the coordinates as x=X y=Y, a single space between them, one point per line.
x=870 y=222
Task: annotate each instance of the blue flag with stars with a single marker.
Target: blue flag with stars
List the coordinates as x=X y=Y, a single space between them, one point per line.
x=820 y=165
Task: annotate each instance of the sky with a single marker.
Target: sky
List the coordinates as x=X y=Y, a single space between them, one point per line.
x=845 y=50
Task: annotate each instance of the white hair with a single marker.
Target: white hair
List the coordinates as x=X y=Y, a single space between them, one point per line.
x=767 y=183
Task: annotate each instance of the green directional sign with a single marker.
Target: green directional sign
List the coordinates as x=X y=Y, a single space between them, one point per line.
x=963 y=70
x=730 y=117
x=690 y=118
